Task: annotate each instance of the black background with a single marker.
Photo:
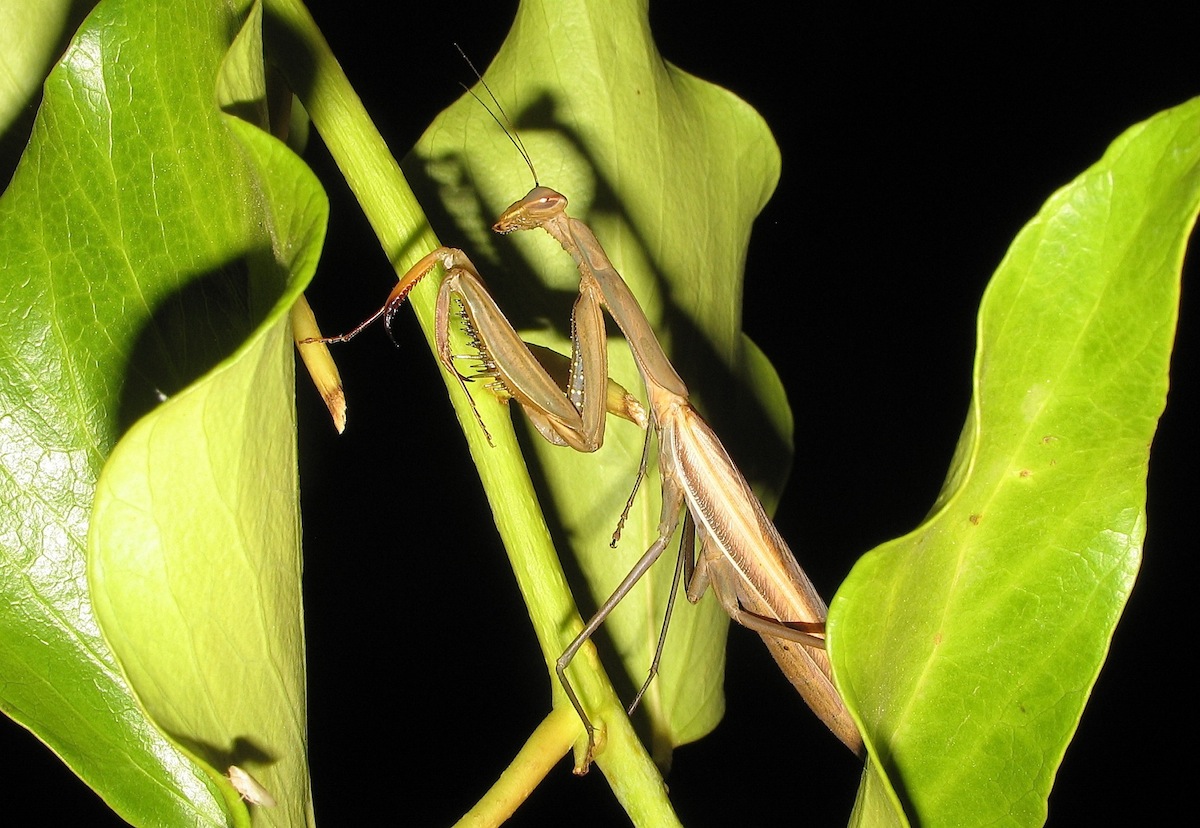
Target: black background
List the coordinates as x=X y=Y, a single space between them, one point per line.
x=915 y=145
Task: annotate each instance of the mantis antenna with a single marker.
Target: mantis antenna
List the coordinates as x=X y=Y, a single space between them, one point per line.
x=510 y=129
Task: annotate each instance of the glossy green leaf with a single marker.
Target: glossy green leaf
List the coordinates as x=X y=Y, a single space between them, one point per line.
x=146 y=238
x=597 y=120
x=29 y=33
x=967 y=649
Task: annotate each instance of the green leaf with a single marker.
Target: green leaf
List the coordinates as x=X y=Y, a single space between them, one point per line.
x=597 y=121
x=29 y=33
x=32 y=36
x=967 y=649
x=148 y=237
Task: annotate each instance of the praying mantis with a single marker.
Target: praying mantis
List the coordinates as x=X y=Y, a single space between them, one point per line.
x=743 y=559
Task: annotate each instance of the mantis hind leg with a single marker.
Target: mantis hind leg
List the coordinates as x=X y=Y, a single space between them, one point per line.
x=685 y=565
x=669 y=520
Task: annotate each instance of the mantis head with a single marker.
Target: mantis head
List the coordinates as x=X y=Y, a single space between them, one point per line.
x=537 y=207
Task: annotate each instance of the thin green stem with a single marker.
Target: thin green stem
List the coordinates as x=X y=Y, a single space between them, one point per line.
x=298 y=48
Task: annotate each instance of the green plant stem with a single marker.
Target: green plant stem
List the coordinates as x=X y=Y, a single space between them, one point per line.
x=544 y=748
x=346 y=128
x=388 y=202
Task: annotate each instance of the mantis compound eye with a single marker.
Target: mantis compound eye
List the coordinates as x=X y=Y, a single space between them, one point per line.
x=542 y=202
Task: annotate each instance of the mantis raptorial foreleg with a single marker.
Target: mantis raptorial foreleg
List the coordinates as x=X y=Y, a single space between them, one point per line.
x=529 y=374
x=744 y=559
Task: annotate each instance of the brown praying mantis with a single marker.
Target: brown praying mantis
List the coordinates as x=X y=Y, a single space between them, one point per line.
x=743 y=559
